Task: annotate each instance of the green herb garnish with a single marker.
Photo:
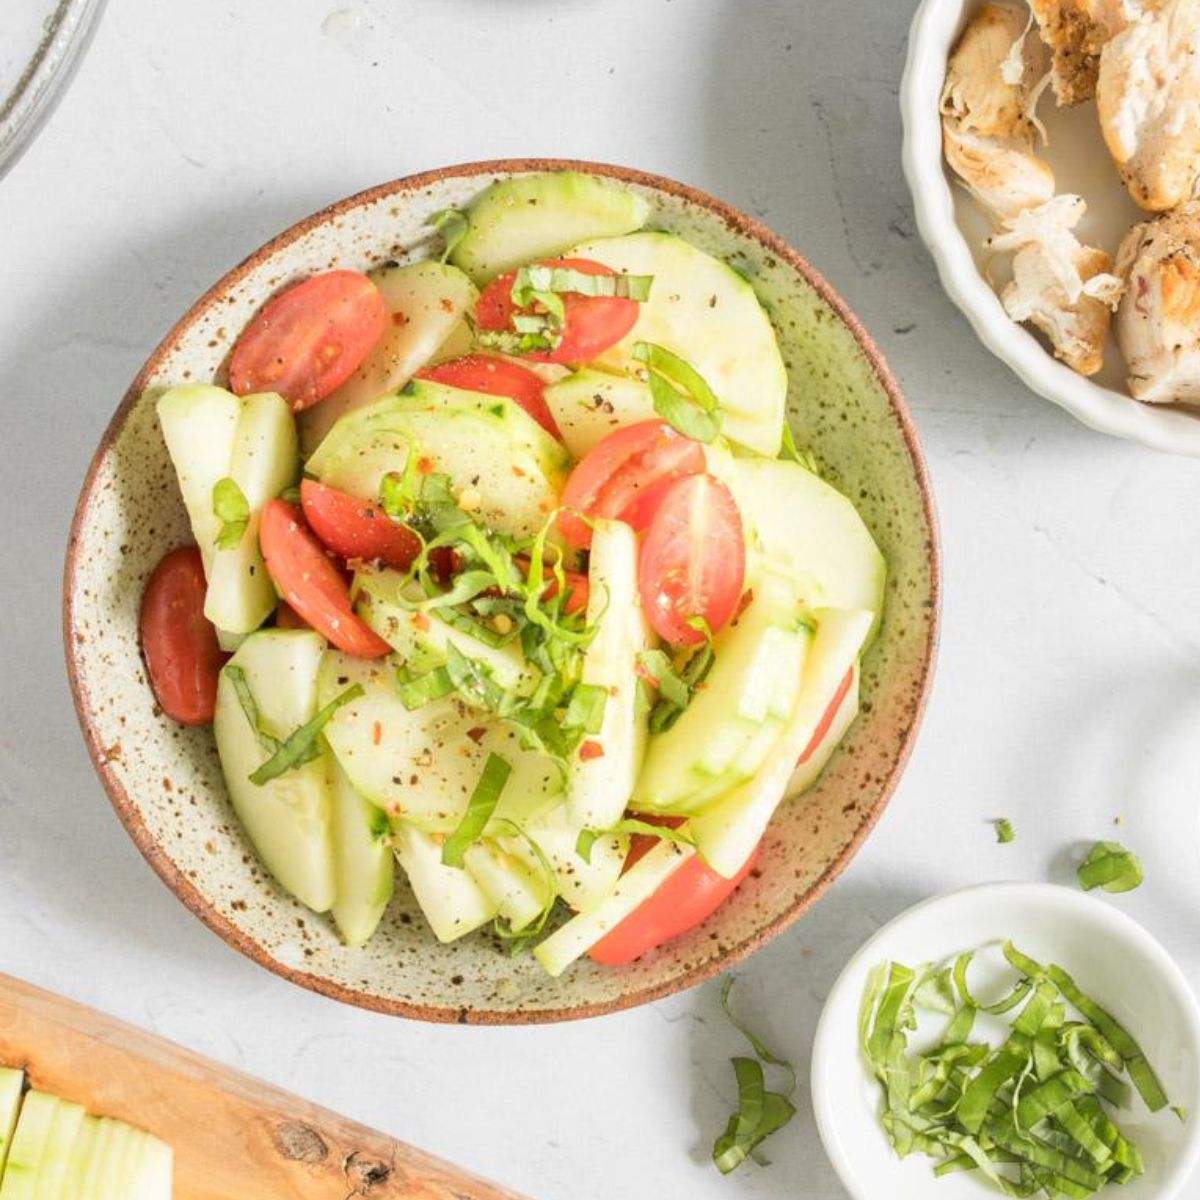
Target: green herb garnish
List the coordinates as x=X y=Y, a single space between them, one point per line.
x=680 y=393
x=1004 y=830
x=1110 y=866
x=629 y=825
x=232 y=509
x=483 y=801
x=791 y=451
x=675 y=688
x=452 y=224
x=301 y=746
x=537 y=282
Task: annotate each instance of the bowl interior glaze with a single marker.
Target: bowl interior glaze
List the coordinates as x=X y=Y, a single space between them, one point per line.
x=164 y=780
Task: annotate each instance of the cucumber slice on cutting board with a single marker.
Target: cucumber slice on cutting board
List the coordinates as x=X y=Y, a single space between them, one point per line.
x=427 y=301
x=488 y=445
x=730 y=725
x=12 y=1082
x=517 y=221
x=265 y=461
x=637 y=885
x=453 y=903
x=707 y=314
x=422 y=766
x=588 y=405
x=56 y=1155
x=727 y=832
x=23 y=1168
x=419 y=634
x=599 y=788
x=199 y=424
x=363 y=861
x=288 y=818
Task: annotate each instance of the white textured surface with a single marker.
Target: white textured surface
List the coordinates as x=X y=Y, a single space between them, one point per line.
x=1069 y=684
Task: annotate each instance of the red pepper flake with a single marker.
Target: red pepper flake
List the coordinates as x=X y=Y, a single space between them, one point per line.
x=420 y=621
x=518 y=472
x=376 y=734
x=446 y=304
x=398 y=318
x=425 y=465
x=589 y=750
x=476 y=734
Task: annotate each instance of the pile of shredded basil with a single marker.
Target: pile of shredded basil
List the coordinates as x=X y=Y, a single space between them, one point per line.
x=1032 y=1115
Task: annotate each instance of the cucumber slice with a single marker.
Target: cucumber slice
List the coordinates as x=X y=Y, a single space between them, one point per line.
x=116 y=1137
x=287 y=819
x=266 y=461
x=414 y=635
x=427 y=301
x=520 y=895
x=815 y=761
x=422 y=766
x=488 y=445
x=807 y=529
x=11 y=1084
x=759 y=659
x=588 y=405
x=637 y=885
x=81 y=1155
x=362 y=859
x=154 y=1180
x=709 y=315
x=199 y=425
x=453 y=903
x=599 y=788
x=28 y=1146
x=727 y=832
x=516 y=221
x=126 y=1161
x=89 y=1179
x=56 y=1156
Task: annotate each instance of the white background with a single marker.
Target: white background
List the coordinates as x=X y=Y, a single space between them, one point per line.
x=1068 y=690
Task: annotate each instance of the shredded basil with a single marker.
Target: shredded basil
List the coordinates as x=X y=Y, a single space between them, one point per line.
x=1110 y=866
x=245 y=697
x=452 y=224
x=536 y=282
x=480 y=807
x=1004 y=830
x=675 y=688
x=301 y=745
x=232 y=509
x=519 y=940
x=680 y=393
x=588 y=837
x=760 y=1112
x=416 y=691
x=512 y=341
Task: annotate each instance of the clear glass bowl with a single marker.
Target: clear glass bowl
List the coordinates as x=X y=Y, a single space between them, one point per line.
x=41 y=43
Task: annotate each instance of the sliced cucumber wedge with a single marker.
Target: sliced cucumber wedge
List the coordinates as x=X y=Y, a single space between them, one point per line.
x=289 y=818
x=12 y=1083
x=422 y=766
x=637 y=885
x=363 y=861
x=520 y=894
x=516 y=221
x=81 y=1156
x=816 y=758
x=156 y=1170
x=599 y=788
x=265 y=461
x=453 y=903
x=731 y=724
x=727 y=833
x=707 y=314
x=56 y=1155
x=23 y=1168
x=418 y=634
x=199 y=424
x=427 y=301
x=588 y=405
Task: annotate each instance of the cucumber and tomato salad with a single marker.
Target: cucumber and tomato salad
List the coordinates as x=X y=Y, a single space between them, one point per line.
x=545 y=613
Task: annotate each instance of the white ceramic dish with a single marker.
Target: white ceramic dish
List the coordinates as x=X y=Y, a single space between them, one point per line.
x=952 y=228
x=1111 y=957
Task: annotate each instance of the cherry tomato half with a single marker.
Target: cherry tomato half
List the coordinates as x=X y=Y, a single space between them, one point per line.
x=310 y=582
x=693 y=559
x=287 y=617
x=496 y=377
x=354 y=528
x=591 y=324
x=309 y=339
x=178 y=641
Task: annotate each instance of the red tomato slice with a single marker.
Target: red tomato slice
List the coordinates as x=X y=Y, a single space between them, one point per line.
x=591 y=325
x=287 y=617
x=496 y=377
x=310 y=583
x=178 y=641
x=637 y=487
x=354 y=528
x=687 y=898
x=693 y=559
x=309 y=339
x=595 y=469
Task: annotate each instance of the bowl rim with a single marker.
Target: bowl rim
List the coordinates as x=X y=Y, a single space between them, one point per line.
x=1159 y=427
x=190 y=895
x=1052 y=896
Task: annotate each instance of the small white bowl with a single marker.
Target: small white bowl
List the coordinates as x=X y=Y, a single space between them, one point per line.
x=1112 y=958
x=952 y=230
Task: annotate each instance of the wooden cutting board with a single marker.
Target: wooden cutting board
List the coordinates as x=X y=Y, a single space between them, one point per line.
x=235 y=1138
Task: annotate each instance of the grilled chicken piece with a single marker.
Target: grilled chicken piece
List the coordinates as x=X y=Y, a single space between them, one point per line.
x=1005 y=179
x=1059 y=285
x=1076 y=32
x=1158 y=323
x=1148 y=98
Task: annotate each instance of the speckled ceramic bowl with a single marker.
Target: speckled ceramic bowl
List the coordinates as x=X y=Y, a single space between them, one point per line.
x=164 y=780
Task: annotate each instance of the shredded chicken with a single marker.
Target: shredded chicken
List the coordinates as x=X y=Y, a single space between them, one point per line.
x=1076 y=32
x=1004 y=179
x=1148 y=98
x=1158 y=323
